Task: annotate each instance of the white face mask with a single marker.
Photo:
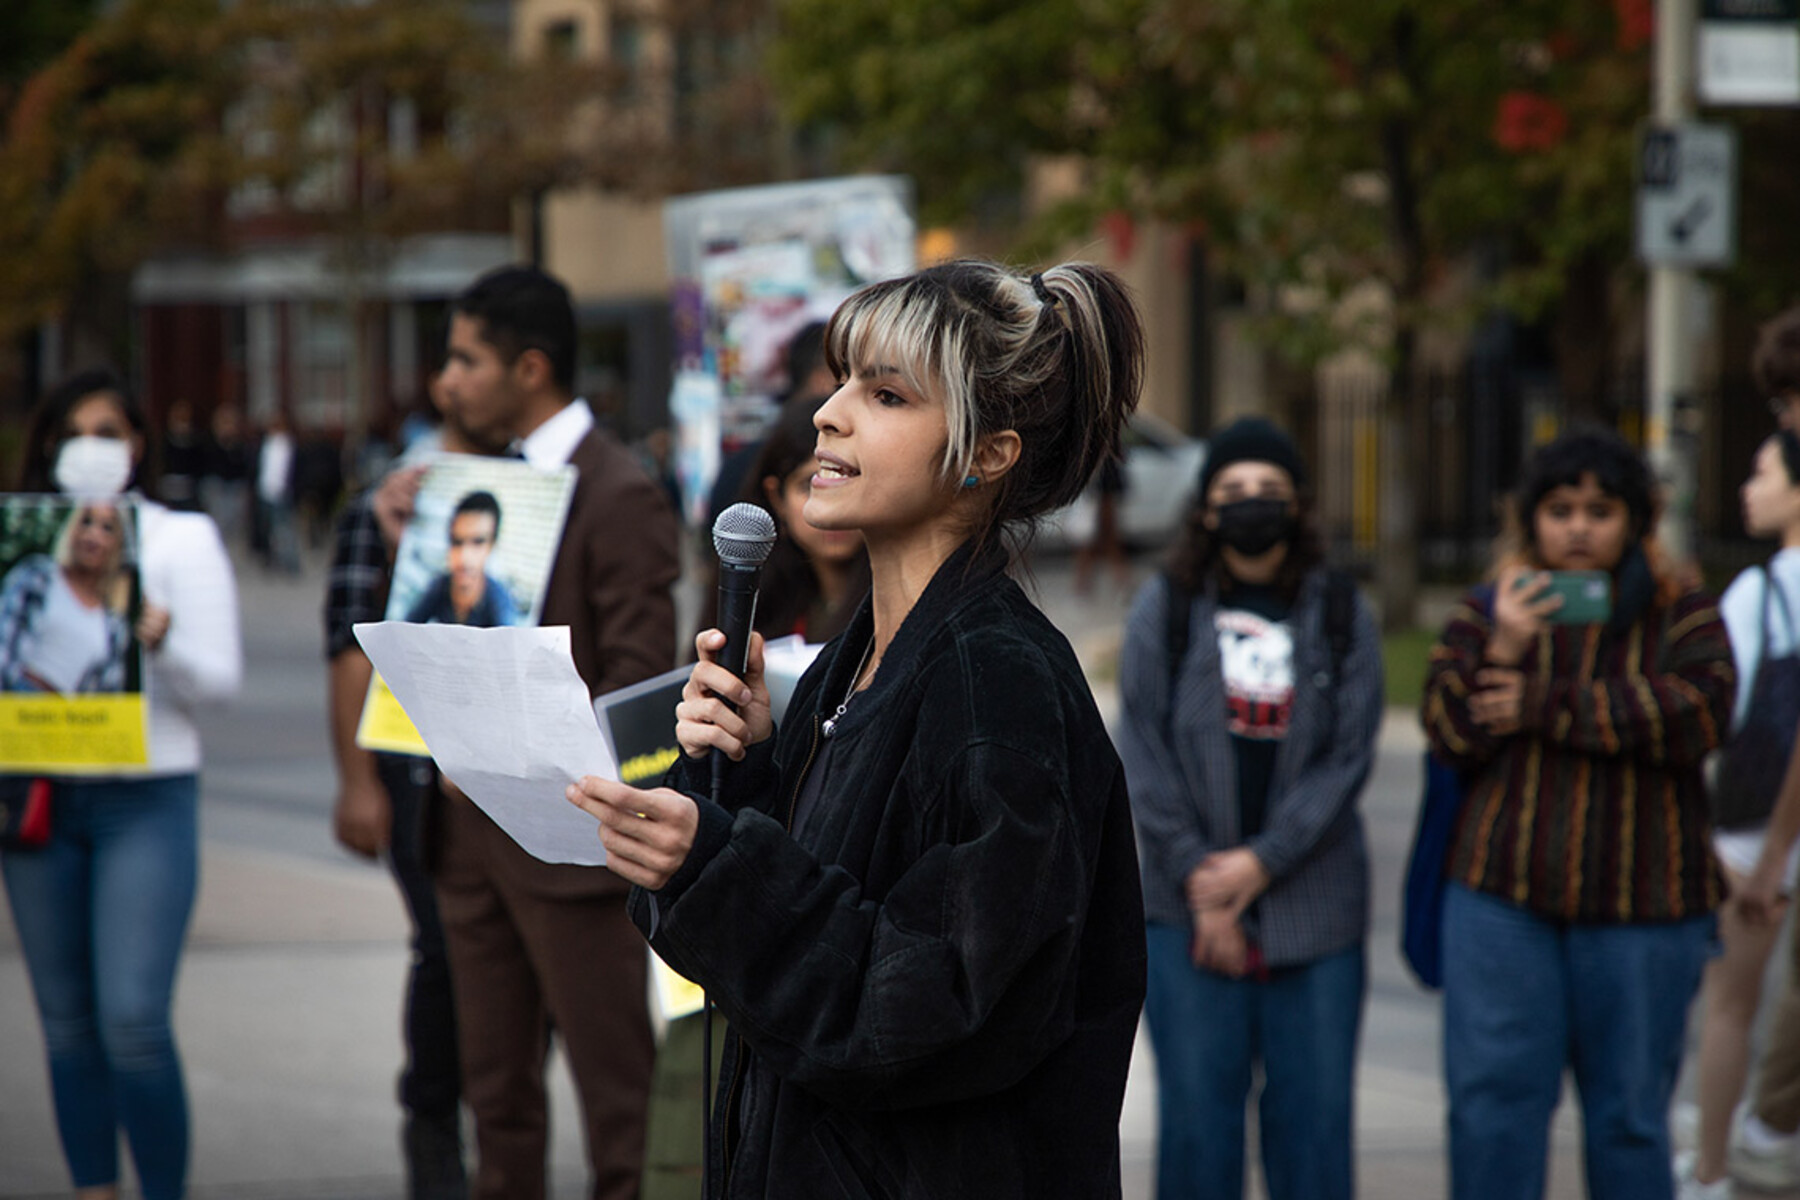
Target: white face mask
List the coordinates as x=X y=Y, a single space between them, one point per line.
x=93 y=466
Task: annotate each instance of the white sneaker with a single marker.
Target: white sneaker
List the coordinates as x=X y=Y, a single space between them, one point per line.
x=1689 y=1188
x=1764 y=1159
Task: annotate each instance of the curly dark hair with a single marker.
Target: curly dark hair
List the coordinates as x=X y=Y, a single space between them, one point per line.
x=1616 y=466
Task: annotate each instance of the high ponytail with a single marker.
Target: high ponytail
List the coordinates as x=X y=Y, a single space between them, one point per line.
x=1057 y=357
x=1105 y=355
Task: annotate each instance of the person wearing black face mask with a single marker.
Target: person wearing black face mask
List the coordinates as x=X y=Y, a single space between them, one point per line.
x=1251 y=682
x=1254 y=527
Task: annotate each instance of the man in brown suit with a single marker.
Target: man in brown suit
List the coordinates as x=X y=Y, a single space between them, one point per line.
x=536 y=946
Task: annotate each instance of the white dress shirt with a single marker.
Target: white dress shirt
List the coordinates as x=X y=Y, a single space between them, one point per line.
x=549 y=445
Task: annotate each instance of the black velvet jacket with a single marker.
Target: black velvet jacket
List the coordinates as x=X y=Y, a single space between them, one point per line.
x=933 y=991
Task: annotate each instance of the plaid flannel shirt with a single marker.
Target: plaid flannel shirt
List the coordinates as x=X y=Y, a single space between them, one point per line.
x=356 y=588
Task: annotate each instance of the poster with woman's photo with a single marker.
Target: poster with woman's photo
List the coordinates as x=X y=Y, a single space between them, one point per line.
x=478 y=551
x=71 y=667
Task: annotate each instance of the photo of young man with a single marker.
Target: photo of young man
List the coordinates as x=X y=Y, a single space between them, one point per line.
x=466 y=594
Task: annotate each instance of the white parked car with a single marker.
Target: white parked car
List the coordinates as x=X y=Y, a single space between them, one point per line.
x=1162 y=468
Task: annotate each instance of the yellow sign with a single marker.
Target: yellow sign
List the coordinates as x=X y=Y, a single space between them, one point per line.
x=102 y=734
x=676 y=996
x=385 y=725
x=646 y=770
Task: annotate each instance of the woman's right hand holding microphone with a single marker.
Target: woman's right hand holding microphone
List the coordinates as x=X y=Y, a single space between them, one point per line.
x=718 y=710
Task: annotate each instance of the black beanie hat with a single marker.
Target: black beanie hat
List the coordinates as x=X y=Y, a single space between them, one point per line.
x=1250 y=439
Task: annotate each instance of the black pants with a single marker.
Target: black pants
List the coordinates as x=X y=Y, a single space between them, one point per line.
x=431 y=1081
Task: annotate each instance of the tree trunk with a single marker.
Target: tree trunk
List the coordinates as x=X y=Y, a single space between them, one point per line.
x=1403 y=415
x=1582 y=336
x=1400 y=463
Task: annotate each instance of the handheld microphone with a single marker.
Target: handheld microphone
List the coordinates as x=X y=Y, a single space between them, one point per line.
x=742 y=536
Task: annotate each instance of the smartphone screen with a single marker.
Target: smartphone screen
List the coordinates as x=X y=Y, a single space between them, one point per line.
x=1586 y=596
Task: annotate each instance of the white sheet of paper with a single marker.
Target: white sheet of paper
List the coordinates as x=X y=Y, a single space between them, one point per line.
x=507 y=719
x=784 y=660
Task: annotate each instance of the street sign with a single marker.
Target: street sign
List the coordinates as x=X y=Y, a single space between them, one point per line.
x=1750 y=12
x=1687 y=202
x=1749 y=52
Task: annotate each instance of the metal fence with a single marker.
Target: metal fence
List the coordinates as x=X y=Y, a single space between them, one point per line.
x=1479 y=427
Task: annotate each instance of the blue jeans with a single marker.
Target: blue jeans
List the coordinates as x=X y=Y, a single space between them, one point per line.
x=1209 y=1034
x=102 y=912
x=1525 y=997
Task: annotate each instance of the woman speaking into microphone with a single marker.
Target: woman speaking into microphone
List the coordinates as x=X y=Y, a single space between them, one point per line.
x=917 y=906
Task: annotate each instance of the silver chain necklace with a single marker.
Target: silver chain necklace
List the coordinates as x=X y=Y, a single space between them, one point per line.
x=830 y=726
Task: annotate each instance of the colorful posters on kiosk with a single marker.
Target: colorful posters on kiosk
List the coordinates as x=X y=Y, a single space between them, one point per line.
x=749 y=268
x=72 y=687
x=478 y=551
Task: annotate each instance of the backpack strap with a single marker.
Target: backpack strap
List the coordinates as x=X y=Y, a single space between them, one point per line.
x=1772 y=588
x=1339 y=617
x=1762 y=626
x=1179 y=617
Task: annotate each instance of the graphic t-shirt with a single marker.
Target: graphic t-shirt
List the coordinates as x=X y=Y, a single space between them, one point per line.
x=1256 y=658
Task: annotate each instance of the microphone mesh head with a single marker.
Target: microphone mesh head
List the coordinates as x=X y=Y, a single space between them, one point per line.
x=743 y=535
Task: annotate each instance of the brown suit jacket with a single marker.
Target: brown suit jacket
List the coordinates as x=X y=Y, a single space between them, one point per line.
x=612 y=585
x=615 y=570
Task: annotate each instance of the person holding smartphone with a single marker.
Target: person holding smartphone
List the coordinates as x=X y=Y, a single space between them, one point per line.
x=1583 y=884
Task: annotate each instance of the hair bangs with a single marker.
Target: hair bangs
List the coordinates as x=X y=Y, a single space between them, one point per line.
x=911 y=330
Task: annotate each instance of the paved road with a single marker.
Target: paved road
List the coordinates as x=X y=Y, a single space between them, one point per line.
x=288 y=1010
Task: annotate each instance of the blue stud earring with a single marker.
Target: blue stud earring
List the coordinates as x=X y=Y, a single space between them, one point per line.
x=971 y=480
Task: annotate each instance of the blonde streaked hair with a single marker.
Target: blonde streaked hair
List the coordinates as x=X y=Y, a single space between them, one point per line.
x=116 y=588
x=1057 y=357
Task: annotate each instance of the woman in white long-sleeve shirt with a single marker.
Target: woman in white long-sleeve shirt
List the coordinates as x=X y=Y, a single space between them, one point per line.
x=1760 y=610
x=102 y=910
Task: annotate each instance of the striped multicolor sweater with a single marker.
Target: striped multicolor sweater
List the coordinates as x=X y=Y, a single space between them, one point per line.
x=1596 y=811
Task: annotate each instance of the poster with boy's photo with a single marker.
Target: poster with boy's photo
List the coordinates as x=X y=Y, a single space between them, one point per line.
x=478 y=551
x=71 y=667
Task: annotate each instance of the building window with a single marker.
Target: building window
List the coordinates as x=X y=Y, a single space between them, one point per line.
x=323 y=363
x=324 y=183
x=625 y=52
x=403 y=128
x=625 y=42
x=562 y=40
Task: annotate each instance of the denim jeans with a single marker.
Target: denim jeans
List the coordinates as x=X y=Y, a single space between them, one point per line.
x=102 y=912
x=1210 y=1033
x=1525 y=997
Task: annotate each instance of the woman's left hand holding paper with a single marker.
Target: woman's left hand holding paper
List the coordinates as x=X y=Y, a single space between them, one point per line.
x=647 y=834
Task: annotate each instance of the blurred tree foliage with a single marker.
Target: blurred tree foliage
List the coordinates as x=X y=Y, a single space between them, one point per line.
x=1462 y=153
x=158 y=124
x=1313 y=145
x=30 y=525
x=106 y=147
x=32 y=31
